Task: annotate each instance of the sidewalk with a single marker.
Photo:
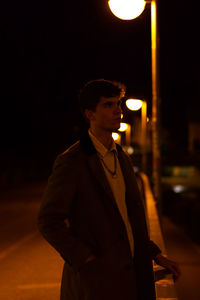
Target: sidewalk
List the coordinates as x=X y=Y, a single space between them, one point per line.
x=165 y=289
x=187 y=254
x=174 y=243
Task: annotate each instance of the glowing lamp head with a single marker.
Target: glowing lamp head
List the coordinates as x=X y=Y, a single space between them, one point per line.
x=127 y=9
x=134 y=104
x=123 y=127
x=115 y=136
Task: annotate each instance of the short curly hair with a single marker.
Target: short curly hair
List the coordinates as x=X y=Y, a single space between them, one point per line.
x=92 y=91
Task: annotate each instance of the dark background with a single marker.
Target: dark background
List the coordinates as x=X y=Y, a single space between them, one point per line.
x=49 y=50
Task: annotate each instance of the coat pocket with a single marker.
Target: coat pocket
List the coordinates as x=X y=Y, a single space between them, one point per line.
x=92 y=268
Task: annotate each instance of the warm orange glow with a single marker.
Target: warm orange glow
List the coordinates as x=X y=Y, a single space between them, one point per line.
x=134 y=104
x=123 y=127
x=153 y=23
x=130 y=150
x=127 y=9
x=115 y=136
x=154 y=60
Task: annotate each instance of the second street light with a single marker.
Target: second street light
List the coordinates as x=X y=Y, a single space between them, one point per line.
x=134 y=105
x=128 y=10
x=124 y=127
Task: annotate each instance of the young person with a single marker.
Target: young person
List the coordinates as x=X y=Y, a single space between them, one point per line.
x=92 y=212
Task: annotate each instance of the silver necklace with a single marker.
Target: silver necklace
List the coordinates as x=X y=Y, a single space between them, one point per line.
x=113 y=173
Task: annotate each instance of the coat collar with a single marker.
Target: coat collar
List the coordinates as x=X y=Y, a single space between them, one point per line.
x=101 y=149
x=88 y=146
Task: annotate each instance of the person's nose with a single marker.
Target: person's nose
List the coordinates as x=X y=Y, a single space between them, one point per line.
x=118 y=109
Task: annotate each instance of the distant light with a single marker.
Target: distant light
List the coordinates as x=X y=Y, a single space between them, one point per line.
x=148 y=119
x=127 y=9
x=122 y=116
x=134 y=104
x=136 y=169
x=130 y=150
x=115 y=136
x=179 y=188
x=123 y=127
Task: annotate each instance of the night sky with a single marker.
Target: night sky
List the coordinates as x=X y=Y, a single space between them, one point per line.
x=50 y=49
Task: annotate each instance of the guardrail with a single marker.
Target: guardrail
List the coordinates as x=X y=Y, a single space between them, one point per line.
x=164 y=283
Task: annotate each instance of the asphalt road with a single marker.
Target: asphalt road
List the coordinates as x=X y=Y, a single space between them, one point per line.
x=31 y=269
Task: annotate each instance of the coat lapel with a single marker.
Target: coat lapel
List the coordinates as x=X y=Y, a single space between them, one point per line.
x=98 y=172
x=125 y=171
x=97 y=168
x=132 y=191
x=133 y=198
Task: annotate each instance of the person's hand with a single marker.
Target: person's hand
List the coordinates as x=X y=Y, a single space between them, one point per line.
x=90 y=258
x=168 y=264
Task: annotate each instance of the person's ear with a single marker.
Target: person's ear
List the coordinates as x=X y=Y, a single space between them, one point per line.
x=89 y=114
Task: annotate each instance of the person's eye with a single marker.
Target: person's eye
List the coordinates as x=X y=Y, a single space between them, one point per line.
x=108 y=104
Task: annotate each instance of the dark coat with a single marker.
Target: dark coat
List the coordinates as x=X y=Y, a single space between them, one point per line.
x=79 y=217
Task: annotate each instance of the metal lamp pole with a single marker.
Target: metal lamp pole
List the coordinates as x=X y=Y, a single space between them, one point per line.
x=156 y=157
x=144 y=135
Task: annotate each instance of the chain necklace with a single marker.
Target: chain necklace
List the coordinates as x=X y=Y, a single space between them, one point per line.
x=113 y=173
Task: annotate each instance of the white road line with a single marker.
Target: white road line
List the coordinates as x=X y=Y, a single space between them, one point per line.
x=17 y=245
x=39 y=286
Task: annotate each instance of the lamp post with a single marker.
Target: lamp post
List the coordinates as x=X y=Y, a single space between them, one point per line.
x=128 y=10
x=134 y=105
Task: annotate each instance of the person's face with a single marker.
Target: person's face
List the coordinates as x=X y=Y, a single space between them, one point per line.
x=107 y=115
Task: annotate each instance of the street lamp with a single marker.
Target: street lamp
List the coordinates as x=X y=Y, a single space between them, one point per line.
x=124 y=127
x=116 y=137
x=127 y=9
x=123 y=9
x=134 y=105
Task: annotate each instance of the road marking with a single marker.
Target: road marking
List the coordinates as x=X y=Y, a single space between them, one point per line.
x=17 y=245
x=39 y=286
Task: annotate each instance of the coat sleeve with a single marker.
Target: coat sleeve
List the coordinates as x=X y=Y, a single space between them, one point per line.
x=55 y=210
